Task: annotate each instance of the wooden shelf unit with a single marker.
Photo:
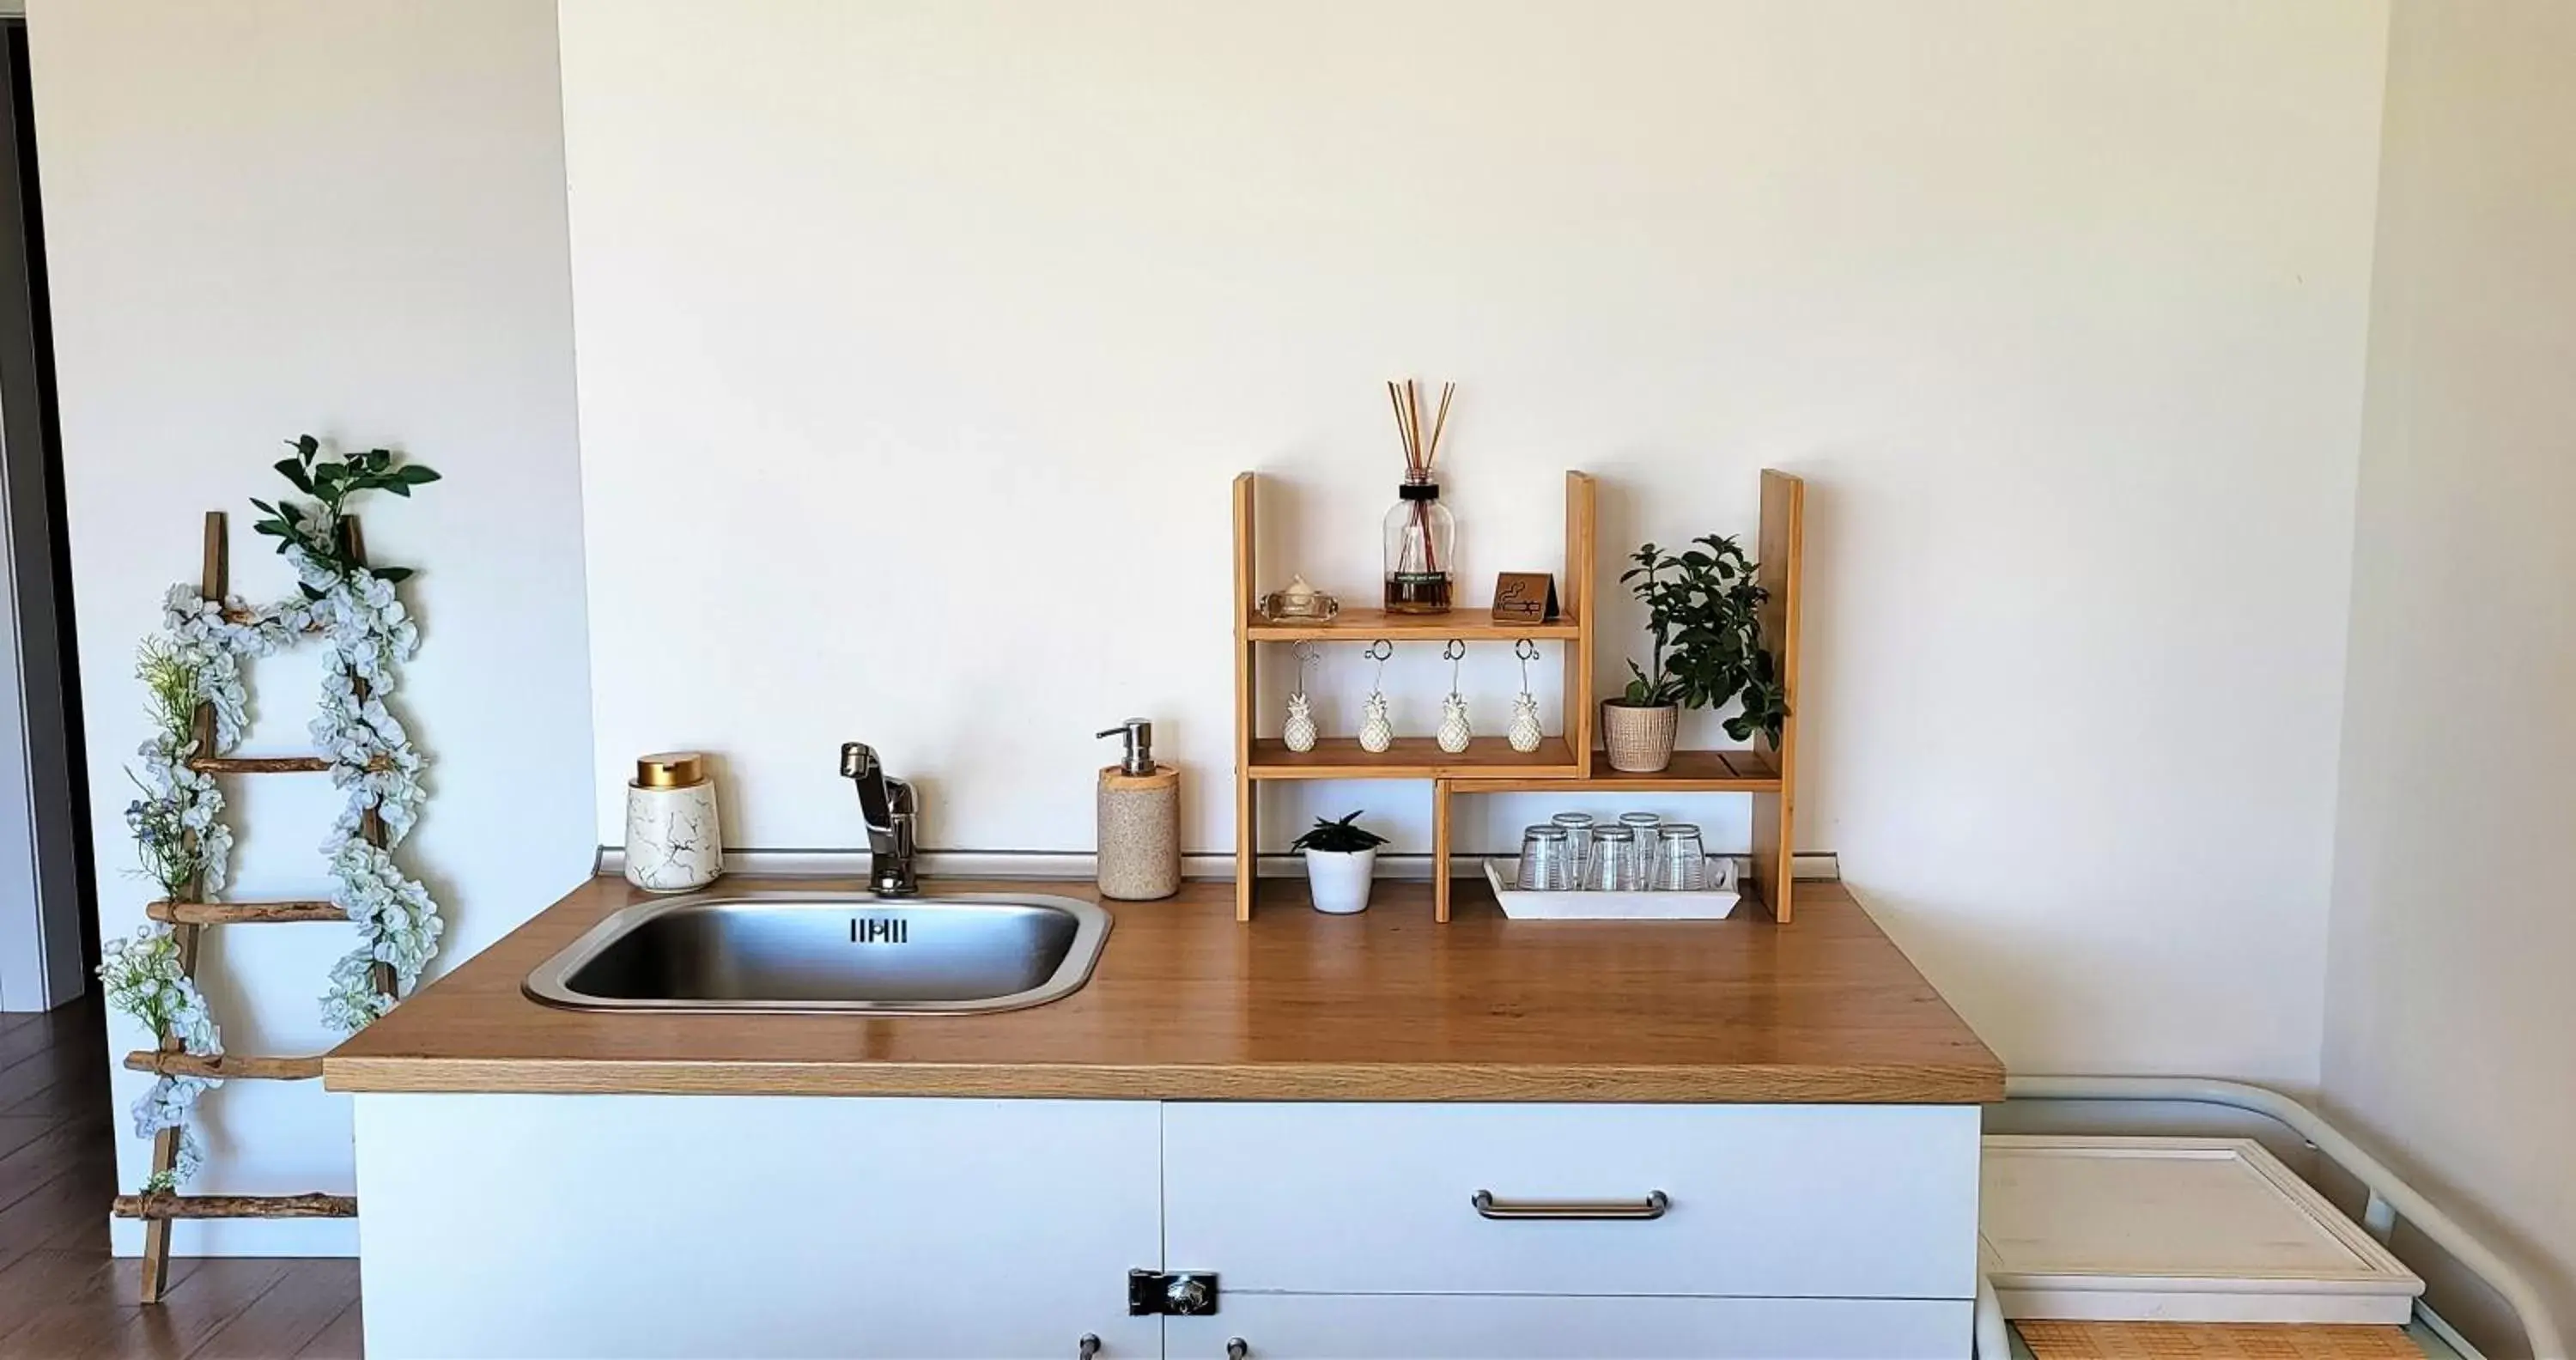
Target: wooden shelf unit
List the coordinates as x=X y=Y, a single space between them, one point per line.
x=1563 y=758
x=1567 y=763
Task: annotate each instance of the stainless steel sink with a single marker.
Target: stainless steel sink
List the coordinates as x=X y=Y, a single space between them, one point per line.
x=829 y=952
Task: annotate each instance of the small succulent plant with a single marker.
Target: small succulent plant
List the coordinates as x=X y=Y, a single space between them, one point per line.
x=1341 y=837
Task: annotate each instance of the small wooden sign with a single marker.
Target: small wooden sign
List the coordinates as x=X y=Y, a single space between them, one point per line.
x=1524 y=597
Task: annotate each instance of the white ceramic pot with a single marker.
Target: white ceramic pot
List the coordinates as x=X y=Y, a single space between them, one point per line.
x=1340 y=879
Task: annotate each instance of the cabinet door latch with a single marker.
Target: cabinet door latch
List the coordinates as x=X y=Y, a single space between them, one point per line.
x=1171 y=1293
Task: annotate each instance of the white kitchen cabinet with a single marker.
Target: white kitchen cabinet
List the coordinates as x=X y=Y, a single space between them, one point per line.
x=1531 y=1327
x=628 y=1226
x=640 y=1226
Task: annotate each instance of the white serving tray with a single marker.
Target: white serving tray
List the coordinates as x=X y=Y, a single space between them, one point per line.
x=2174 y=1230
x=1716 y=904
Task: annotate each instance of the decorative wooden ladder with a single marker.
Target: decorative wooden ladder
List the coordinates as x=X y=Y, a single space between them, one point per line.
x=186 y=919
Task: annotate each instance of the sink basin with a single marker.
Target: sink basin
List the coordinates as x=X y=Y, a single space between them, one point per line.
x=829 y=952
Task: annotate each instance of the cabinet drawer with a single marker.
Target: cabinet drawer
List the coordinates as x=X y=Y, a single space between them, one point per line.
x=1851 y=1201
x=1535 y=1327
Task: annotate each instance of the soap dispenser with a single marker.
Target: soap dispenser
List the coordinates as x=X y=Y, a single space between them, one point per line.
x=1140 y=820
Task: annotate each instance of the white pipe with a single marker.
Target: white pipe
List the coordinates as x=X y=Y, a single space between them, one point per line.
x=1993 y=1342
x=2537 y=1326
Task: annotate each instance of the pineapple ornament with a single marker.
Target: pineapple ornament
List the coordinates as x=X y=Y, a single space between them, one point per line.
x=1376 y=733
x=1454 y=733
x=1525 y=733
x=1299 y=731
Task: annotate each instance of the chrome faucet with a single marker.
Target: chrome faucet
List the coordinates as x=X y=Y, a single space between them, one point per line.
x=891 y=812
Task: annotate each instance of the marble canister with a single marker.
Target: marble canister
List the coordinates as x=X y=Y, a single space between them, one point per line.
x=672 y=841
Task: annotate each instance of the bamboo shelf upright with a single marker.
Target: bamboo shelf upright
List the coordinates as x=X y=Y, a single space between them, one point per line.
x=1568 y=763
x=186 y=919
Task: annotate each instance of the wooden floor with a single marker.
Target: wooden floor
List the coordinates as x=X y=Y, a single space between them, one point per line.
x=62 y=1297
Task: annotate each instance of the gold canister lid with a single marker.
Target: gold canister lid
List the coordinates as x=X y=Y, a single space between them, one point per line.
x=671 y=770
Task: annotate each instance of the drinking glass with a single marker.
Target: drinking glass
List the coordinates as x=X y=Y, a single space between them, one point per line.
x=1681 y=865
x=1618 y=860
x=1643 y=823
x=1578 y=837
x=1547 y=864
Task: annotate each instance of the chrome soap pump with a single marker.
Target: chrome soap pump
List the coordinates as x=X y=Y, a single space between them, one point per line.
x=1139 y=850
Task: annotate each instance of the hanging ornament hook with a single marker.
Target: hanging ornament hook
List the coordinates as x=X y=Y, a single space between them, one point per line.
x=1379 y=651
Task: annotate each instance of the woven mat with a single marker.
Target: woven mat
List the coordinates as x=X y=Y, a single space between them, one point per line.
x=2050 y=1340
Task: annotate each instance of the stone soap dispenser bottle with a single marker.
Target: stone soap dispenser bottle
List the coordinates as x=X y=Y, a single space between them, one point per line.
x=1140 y=820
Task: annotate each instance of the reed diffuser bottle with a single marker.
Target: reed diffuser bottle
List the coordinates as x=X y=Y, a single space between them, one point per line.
x=1421 y=534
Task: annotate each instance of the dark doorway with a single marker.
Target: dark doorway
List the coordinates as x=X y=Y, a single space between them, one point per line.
x=48 y=884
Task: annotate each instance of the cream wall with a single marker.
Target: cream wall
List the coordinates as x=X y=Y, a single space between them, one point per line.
x=289 y=215
x=917 y=344
x=2450 y=1035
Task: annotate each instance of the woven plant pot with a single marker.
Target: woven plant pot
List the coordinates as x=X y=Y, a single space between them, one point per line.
x=1640 y=740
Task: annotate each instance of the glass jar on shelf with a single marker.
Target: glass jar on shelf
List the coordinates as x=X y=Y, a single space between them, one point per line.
x=1420 y=536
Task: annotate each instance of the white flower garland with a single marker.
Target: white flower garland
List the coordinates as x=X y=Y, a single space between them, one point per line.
x=142 y=978
x=179 y=827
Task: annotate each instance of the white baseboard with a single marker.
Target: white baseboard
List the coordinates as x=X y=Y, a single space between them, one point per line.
x=1080 y=864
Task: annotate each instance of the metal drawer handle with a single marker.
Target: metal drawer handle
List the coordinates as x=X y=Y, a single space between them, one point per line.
x=1652 y=1206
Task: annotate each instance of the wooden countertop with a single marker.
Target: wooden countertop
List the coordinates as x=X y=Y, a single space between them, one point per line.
x=1187 y=1004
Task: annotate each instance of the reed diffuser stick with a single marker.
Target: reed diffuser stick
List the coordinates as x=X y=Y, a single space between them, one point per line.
x=1395 y=401
x=1413 y=429
x=1438 y=423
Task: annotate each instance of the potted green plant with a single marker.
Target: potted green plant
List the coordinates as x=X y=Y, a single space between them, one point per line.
x=1703 y=610
x=1340 y=859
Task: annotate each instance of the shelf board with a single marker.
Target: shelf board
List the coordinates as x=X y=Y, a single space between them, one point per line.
x=1550 y=766
x=1353 y=624
x=1737 y=771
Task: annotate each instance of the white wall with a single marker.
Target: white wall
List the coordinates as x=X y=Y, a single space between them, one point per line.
x=347 y=218
x=918 y=342
x=2450 y=1019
